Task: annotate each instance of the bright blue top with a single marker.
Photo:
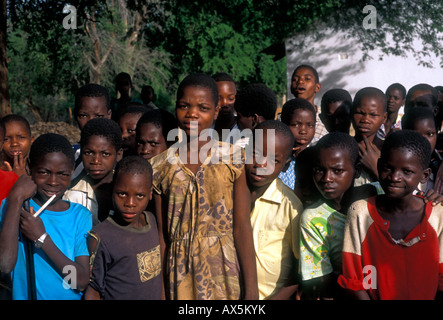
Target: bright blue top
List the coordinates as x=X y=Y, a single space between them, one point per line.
x=68 y=230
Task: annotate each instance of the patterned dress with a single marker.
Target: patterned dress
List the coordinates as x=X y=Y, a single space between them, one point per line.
x=201 y=257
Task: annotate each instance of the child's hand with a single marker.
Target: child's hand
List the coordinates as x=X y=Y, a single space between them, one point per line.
x=24 y=188
x=32 y=227
x=369 y=154
x=19 y=165
x=432 y=196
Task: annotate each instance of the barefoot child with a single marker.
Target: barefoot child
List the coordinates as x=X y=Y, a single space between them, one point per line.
x=58 y=233
x=392 y=242
x=203 y=205
x=127 y=263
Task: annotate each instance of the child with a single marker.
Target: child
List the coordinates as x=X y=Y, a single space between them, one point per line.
x=205 y=221
x=305 y=84
x=147 y=95
x=151 y=133
x=127 y=121
x=254 y=103
x=59 y=233
x=335 y=166
x=8 y=178
x=392 y=242
x=91 y=101
x=335 y=109
x=368 y=114
x=17 y=142
x=226 y=115
x=423 y=121
x=422 y=95
x=123 y=86
x=299 y=115
x=100 y=151
x=395 y=95
x=275 y=213
x=127 y=257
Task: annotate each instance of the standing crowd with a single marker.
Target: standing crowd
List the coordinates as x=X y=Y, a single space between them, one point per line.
x=227 y=198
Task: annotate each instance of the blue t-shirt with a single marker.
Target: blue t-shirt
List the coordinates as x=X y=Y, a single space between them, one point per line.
x=68 y=230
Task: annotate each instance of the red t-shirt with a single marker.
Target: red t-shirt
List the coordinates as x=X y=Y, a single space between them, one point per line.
x=373 y=261
x=7 y=180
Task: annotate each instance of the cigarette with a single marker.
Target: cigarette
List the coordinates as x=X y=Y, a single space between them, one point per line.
x=43 y=207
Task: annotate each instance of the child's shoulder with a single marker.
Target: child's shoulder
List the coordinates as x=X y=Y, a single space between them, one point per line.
x=288 y=194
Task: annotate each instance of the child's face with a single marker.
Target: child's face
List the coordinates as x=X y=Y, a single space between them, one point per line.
x=271 y=164
x=226 y=95
x=400 y=172
x=195 y=107
x=338 y=118
x=131 y=194
x=369 y=116
x=304 y=84
x=426 y=127
x=17 y=140
x=333 y=173
x=52 y=175
x=99 y=157
x=150 y=140
x=128 y=124
x=395 y=100
x=90 y=108
x=302 y=126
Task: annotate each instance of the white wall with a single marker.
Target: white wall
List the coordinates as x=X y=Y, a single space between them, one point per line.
x=351 y=73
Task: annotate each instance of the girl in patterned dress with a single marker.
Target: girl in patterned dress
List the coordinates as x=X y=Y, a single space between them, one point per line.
x=202 y=205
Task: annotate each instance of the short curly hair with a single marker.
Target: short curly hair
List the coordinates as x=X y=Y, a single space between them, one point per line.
x=133 y=165
x=49 y=143
x=102 y=127
x=256 y=98
x=342 y=141
x=410 y=140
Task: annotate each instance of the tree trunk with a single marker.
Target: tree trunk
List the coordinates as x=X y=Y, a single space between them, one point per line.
x=5 y=107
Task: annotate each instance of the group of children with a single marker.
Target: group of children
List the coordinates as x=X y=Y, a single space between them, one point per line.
x=288 y=206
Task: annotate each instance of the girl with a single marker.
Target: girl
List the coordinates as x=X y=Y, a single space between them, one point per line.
x=202 y=207
x=58 y=233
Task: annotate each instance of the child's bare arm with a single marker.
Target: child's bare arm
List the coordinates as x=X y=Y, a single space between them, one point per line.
x=92 y=294
x=23 y=189
x=243 y=237
x=32 y=228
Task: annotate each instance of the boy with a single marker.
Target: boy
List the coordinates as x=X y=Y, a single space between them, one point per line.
x=226 y=92
x=368 y=114
x=59 y=233
x=100 y=151
x=16 y=145
x=334 y=168
x=395 y=96
x=299 y=115
x=151 y=133
x=274 y=216
x=422 y=95
x=335 y=109
x=392 y=242
x=127 y=257
x=123 y=87
x=91 y=101
x=254 y=104
x=305 y=84
x=127 y=120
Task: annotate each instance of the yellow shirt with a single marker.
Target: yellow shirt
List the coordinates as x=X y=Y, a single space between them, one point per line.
x=275 y=229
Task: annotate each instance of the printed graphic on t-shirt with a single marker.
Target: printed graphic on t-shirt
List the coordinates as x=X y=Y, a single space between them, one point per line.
x=149 y=263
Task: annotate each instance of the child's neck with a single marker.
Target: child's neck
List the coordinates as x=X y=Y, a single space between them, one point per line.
x=257 y=192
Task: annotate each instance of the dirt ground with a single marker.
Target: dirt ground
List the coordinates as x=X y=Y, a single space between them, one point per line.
x=72 y=133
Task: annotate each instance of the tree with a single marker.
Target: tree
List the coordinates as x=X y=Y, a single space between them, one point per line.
x=5 y=107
